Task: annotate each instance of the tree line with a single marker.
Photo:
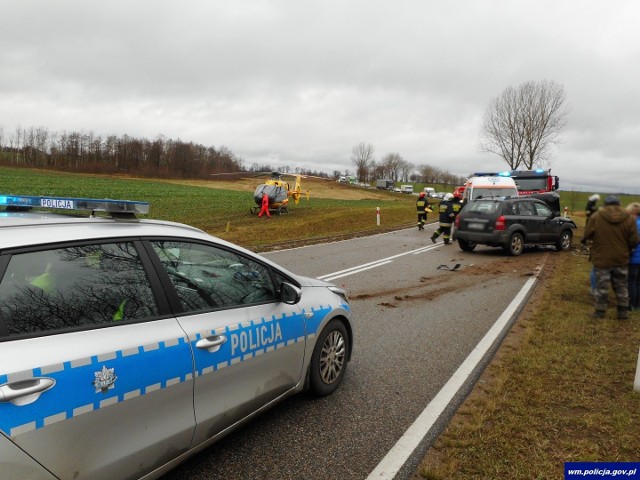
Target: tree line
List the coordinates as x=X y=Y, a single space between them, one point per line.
x=393 y=167
x=87 y=152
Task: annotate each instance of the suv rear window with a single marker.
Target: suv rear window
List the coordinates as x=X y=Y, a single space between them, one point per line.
x=486 y=207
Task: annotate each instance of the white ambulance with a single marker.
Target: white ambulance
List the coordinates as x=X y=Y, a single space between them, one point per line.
x=489 y=185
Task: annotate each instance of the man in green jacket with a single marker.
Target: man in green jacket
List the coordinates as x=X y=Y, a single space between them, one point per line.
x=613 y=234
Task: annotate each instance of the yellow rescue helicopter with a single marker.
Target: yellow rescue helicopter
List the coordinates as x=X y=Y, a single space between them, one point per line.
x=278 y=192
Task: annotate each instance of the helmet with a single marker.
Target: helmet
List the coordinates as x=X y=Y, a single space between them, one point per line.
x=448 y=196
x=456 y=194
x=421 y=195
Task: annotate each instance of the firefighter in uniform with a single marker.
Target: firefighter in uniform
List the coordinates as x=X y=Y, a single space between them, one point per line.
x=422 y=205
x=445 y=219
x=591 y=205
x=456 y=205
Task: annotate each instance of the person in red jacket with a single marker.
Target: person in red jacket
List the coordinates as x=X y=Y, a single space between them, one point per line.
x=265 y=206
x=613 y=234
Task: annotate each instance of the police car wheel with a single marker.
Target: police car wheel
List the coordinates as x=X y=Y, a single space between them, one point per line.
x=564 y=242
x=515 y=245
x=467 y=246
x=329 y=360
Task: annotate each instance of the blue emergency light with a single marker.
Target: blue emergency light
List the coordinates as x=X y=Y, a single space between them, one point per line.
x=84 y=204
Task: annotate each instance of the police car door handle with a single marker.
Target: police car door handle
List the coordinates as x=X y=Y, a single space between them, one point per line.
x=25 y=392
x=211 y=344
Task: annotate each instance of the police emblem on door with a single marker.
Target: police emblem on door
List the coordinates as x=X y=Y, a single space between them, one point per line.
x=105 y=379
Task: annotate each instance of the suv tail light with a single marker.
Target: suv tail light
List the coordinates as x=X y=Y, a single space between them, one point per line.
x=457 y=221
x=501 y=224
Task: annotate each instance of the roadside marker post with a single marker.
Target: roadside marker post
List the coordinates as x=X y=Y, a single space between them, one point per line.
x=378 y=216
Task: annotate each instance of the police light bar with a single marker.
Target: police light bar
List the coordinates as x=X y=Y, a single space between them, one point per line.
x=63 y=203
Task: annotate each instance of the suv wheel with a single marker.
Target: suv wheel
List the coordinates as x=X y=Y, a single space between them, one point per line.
x=564 y=241
x=467 y=246
x=515 y=245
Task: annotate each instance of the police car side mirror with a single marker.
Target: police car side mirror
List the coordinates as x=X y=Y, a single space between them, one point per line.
x=290 y=294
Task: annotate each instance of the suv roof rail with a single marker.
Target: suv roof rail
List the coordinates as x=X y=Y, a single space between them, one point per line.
x=117 y=208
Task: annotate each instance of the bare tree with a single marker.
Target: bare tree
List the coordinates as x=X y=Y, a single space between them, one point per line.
x=522 y=123
x=392 y=164
x=406 y=169
x=362 y=158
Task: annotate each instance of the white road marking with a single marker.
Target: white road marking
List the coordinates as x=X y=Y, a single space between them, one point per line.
x=377 y=263
x=405 y=446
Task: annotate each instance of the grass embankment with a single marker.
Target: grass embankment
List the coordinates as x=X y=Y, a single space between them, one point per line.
x=223 y=208
x=560 y=390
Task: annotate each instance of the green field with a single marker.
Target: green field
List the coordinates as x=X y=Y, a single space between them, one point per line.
x=221 y=212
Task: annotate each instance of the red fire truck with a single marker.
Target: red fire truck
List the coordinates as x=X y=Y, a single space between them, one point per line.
x=534 y=181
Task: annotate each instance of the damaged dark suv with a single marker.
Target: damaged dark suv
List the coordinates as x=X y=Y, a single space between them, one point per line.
x=514 y=222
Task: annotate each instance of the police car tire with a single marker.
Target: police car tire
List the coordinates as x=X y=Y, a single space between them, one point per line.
x=329 y=360
x=564 y=241
x=515 y=245
x=467 y=246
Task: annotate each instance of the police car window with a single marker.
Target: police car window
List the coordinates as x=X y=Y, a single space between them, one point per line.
x=207 y=277
x=76 y=286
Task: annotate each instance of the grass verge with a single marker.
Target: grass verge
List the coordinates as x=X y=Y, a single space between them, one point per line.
x=560 y=390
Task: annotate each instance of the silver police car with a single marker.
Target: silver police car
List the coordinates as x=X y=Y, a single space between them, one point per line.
x=126 y=345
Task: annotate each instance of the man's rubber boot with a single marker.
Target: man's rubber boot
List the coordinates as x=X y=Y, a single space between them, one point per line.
x=598 y=314
x=433 y=238
x=623 y=313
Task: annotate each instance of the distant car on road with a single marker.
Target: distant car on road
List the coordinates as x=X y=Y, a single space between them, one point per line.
x=513 y=222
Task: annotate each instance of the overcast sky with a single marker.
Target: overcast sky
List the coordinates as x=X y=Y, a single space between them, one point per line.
x=300 y=83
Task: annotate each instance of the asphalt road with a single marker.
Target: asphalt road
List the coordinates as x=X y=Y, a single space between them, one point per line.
x=415 y=323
